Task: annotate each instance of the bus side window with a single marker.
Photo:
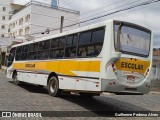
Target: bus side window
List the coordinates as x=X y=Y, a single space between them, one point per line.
x=24 y=56
x=71 y=45
x=62 y=42
x=25 y=48
x=18 y=53
x=82 y=52
x=44 y=45
x=18 y=57
x=90 y=50
x=59 y=53
x=43 y=55
x=97 y=41
x=33 y=47
x=73 y=52
x=32 y=56
x=97 y=50
x=70 y=52
x=84 y=40
x=19 y=49
x=52 y=53
x=98 y=36
x=54 y=43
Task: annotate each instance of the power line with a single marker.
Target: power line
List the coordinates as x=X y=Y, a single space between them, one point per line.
x=108 y=14
x=73 y=15
x=50 y=16
x=110 y=9
x=107 y=11
x=76 y=21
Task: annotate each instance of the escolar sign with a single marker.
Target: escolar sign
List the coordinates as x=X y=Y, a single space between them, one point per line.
x=139 y=66
x=131 y=66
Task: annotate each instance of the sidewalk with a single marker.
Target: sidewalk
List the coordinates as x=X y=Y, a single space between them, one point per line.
x=3 y=68
x=155 y=92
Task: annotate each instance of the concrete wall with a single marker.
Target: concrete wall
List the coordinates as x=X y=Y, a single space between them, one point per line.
x=43 y=18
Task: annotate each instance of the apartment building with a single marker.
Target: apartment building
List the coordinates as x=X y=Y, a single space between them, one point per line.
x=7 y=8
x=4 y=17
x=37 y=19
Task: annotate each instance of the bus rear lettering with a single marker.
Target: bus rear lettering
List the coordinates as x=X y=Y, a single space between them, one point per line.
x=131 y=66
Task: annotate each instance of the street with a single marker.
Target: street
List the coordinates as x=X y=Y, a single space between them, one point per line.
x=28 y=97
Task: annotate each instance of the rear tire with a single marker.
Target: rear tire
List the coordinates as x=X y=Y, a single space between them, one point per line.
x=15 y=80
x=53 y=87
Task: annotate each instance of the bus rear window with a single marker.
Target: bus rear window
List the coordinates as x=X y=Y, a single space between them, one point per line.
x=133 y=39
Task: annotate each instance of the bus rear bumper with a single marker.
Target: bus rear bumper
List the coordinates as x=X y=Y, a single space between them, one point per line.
x=114 y=86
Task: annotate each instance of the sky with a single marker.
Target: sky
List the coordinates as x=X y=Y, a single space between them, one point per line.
x=147 y=16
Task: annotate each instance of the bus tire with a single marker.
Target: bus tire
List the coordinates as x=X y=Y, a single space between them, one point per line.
x=53 y=87
x=15 y=80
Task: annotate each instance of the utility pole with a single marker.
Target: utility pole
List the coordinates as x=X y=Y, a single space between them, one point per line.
x=57 y=3
x=61 y=25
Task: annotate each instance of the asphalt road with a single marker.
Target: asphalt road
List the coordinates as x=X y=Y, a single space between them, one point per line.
x=28 y=97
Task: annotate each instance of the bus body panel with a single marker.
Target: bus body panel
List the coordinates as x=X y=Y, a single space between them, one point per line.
x=75 y=73
x=110 y=80
x=90 y=74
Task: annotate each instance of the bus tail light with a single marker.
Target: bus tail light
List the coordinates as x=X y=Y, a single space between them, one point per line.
x=114 y=67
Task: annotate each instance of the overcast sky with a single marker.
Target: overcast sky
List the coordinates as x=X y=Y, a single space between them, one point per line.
x=148 y=16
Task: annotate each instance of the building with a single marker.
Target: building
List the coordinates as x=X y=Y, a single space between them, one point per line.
x=37 y=19
x=7 y=8
x=156 y=64
x=4 y=17
x=19 y=23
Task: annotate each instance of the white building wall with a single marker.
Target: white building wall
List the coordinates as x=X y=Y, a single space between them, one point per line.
x=4 y=13
x=15 y=25
x=43 y=18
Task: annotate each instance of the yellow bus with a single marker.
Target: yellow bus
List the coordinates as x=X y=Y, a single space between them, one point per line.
x=110 y=56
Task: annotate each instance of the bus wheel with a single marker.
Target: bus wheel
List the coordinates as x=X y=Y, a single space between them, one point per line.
x=53 y=87
x=15 y=80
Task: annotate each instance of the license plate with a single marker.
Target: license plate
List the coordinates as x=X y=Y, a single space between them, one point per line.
x=131 y=78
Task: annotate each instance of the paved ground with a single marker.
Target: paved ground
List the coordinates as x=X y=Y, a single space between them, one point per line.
x=32 y=98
